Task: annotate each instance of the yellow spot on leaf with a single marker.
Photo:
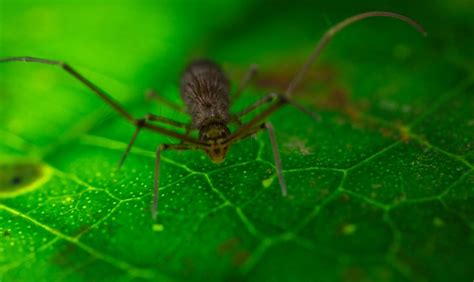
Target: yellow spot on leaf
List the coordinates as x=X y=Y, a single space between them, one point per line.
x=438 y=222
x=158 y=227
x=21 y=176
x=349 y=229
x=267 y=182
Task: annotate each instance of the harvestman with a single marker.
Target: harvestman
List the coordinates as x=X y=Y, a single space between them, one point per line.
x=205 y=91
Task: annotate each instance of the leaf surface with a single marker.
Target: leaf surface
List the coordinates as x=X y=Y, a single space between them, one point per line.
x=380 y=189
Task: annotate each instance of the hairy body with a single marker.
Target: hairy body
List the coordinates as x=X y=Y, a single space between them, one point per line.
x=205 y=91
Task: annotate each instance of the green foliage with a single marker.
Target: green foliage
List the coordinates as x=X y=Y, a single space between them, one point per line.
x=381 y=189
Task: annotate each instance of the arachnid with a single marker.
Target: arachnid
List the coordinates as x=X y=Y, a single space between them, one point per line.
x=205 y=92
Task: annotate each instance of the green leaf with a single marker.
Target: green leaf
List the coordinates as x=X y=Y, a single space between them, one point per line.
x=380 y=189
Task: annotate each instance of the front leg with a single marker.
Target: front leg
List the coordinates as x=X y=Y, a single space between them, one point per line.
x=141 y=123
x=276 y=154
x=156 y=182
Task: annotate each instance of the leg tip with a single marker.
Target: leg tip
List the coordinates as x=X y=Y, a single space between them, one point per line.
x=119 y=166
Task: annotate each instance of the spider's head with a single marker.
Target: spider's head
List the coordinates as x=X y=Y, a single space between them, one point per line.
x=214 y=135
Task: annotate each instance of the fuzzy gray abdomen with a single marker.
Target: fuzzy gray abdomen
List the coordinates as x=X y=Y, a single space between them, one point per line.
x=205 y=91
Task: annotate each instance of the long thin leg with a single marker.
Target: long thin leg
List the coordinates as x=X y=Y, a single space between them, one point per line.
x=156 y=118
x=99 y=92
x=129 y=147
x=281 y=101
x=106 y=98
x=276 y=154
x=139 y=126
x=188 y=127
x=268 y=99
x=277 y=158
x=156 y=183
x=151 y=94
x=335 y=29
x=245 y=81
x=304 y=109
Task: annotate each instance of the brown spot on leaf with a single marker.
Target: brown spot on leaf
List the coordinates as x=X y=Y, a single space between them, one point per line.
x=323 y=89
x=353 y=273
x=65 y=256
x=299 y=145
x=240 y=257
x=83 y=228
x=345 y=198
x=404 y=134
x=228 y=246
x=188 y=265
x=277 y=78
x=387 y=132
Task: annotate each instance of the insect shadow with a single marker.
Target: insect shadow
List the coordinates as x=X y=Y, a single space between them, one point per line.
x=205 y=91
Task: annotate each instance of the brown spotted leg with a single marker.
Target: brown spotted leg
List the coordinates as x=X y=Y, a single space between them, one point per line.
x=156 y=183
x=276 y=154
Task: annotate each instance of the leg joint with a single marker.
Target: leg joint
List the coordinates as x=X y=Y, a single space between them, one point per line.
x=148 y=117
x=140 y=122
x=281 y=97
x=64 y=66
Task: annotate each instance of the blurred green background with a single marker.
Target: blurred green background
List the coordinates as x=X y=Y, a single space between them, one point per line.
x=380 y=189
